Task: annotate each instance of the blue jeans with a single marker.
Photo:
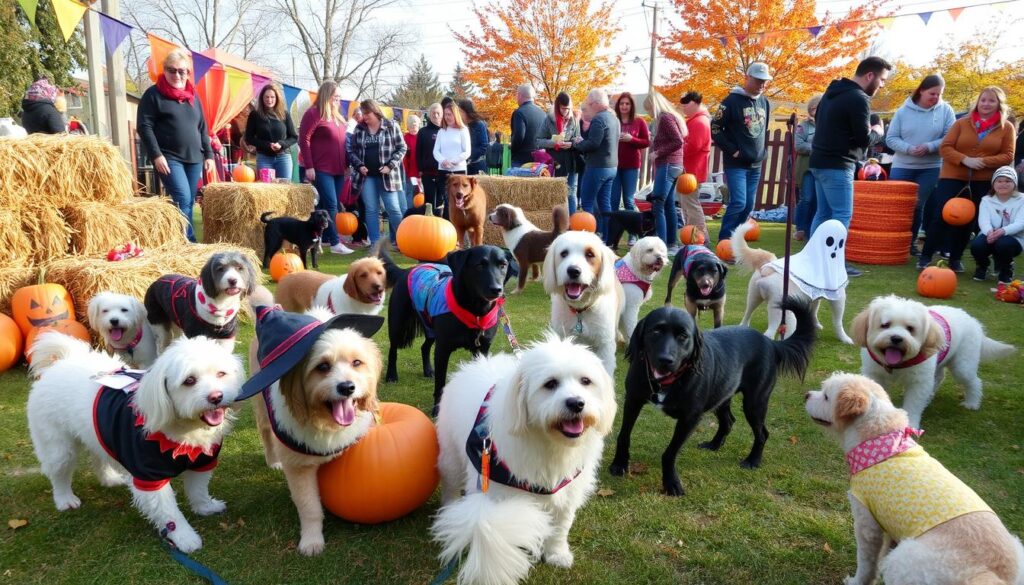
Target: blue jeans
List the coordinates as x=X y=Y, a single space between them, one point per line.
x=625 y=184
x=181 y=185
x=834 y=191
x=372 y=194
x=1003 y=251
x=926 y=180
x=281 y=163
x=806 y=205
x=663 y=202
x=742 y=183
x=571 y=182
x=328 y=187
x=596 y=194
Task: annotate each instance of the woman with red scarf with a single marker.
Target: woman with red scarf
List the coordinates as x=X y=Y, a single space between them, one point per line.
x=976 y=145
x=561 y=124
x=173 y=131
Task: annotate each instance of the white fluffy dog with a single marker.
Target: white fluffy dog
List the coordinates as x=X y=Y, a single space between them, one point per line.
x=121 y=322
x=908 y=344
x=586 y=297
x=172 y=423
x=542 y=418
x=636 y=272
x=947 y=535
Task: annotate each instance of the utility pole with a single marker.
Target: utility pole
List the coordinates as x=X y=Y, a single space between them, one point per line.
x=654 y=49
x=117 y=100
x=94 y=54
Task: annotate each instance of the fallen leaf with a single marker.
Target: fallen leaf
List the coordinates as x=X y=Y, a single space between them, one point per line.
x=605 y=492
x=637 y=468
x=827 y=548
x=240 y=523
x=1021 y=471
x=224 y=526
x=8 y=573
x=793 y=440
x=669 y=550
x=16 y=523
x=1015 y=447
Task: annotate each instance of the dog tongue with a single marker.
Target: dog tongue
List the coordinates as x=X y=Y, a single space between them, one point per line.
x=893 y=356
x=573 y=427
x=705 y=290
x=344 y=412
x=574 y=290
x=116 y=333
x=213 y=417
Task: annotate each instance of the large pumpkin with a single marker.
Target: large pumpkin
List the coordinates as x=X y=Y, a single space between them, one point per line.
x=724 y=250
x=958 y=211
x=40 y=305
x=690 y=235
x=11 y=343
x=68 y=327
x=754 y=233
x=418 y=200
x=936 y=282
x=389 y=473
x=583 y=221
x=426 y=238
x=347 y=223
x=686 y=184
x=243 y=174
x=283 y=264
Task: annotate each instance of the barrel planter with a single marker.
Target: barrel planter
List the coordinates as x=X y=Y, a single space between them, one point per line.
x=883 y=213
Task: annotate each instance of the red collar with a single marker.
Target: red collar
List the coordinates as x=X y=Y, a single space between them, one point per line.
x=177 y=449
x=207 y=303
x=130 y=346
x=330 y=305
x=920 y=357
x=671 y=378
x=469 y=319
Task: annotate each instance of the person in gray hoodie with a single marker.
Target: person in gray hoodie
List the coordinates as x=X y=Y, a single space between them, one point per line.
x=601 y=154
x=915 y=133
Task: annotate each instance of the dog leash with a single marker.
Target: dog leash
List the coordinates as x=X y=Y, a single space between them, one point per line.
x=446 y=572
x=506 y=325
x=194 y=566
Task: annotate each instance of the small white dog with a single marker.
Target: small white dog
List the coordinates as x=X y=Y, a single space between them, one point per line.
x=121 y=322
x=541 y=419
x=947 y=535
x=908 y=344
x=636 y=272
x=172 y=424
x=586 y=297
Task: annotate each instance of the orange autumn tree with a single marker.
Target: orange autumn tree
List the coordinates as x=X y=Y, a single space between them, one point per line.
x=553 y=45
x=720 y=38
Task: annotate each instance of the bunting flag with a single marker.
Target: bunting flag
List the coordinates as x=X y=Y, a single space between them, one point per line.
x=724 y=41
x=815 y=30
x=312 y=97
x=158 y=50
x=399 y=116
x=258 y=83
x=886 y=23
x=69 y=14
x=741 y=38
x=925 y=16
x=29 y=6
x=954 y=13
x=200 y=65
x=290 y=93
x=114 y=32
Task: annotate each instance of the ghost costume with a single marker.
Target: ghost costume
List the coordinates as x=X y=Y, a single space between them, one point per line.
x=820 y=268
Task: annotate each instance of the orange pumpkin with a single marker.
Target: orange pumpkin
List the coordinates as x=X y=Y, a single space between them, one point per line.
x=11 y=343
x=686 y=184
x=426 y=238
x=936 y=282
x=283 y=264
x=40 y=305
x=583 y=221
x=68 y=327
x=754 y=233
x=958 y=211
x=690 y=235
x=243 y=174
x=347 y=223
x=724 y=250
x=418 y=200
x=389 y=473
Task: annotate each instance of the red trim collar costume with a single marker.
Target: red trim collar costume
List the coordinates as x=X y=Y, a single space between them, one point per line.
x=920 y=357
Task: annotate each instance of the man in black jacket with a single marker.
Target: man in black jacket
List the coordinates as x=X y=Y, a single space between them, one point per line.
x=526 y=123
x=843 y=132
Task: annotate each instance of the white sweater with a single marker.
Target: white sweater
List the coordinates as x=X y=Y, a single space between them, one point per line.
x=995 y=214
x=452 y=144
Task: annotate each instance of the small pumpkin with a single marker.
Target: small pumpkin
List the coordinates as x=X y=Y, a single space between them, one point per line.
x=11 y=343
x=754 y=233
x=39 y=305
x=68 y=327
x=283 y=264
x=958 y=211
x=690 y=235
x=347 y=223
x=724 y=250
x=936 y=282
x=243 y=174
x=426 y=237
x=686 y=184
x=418 y=200
x=583 y=221
x=389 y=473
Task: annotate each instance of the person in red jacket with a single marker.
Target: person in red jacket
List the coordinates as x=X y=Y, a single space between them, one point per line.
x=634 y=138
x=696 y=149
x=412 y=171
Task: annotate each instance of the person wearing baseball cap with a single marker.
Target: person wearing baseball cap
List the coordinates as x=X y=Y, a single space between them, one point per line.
x=1000 y=227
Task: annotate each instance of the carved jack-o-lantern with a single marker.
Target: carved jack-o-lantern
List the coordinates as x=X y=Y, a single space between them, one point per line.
x=41 y=305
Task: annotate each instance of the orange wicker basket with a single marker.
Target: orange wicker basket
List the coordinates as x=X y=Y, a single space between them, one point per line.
x=883 y=206
x=873 y=247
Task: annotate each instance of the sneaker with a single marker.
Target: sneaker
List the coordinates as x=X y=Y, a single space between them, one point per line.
x=1006 y=276
x=980 y=274
x=673 y=250
x=944 y=255
x=359 y=243
x=957 y=266
x=631 y=240
x=923 y=262
x=799 y=235
x=340 y=248
x=914 y=250
x=853 y=272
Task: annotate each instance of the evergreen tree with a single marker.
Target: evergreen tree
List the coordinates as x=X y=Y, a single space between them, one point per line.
x=419 y=89
x=460 y=87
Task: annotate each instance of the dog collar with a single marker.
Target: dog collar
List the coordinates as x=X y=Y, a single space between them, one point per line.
x=876 y=450
x=671 y=378
x=626 y=276
x=288 y=440
x=920 y=357
x=330 y=304
x=131 y=346
x=207 y=303
x=479 y=322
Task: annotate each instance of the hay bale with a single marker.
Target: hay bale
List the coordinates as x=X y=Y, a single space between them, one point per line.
x=15 y=247
x=231 y=211
x=539 y=218
x=11 y=279
x=149 y=222
x=62 y=169
x=527 y=193
x=45 y=228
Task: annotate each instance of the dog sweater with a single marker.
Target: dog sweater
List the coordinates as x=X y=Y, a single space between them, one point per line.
x=690 y=253
x=430 y=289
x=627 y=276
x=151 y=458
x=177 y=294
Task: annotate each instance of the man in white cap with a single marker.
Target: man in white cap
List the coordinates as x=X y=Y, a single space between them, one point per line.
x=740 y=130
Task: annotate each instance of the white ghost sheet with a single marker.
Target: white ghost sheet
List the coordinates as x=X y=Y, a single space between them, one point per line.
x=820 y=268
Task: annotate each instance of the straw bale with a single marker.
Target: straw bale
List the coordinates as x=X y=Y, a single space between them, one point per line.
x=148 y=222
x=231 y=211
x=539 y=218
x=15 y=247
x=528 y=193
x=62 y=169
x=45 y=228
x=11 y=279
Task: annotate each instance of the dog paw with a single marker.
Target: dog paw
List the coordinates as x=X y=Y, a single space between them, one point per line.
x=429 y=374
x=209 y=507
x=972 y=404
x=68 y=502
x=560 y=557
x=277 y=465
x=311 y=546
x=748 y=464
x=391 y=378
x=710 y=445
x=515 y=291
x=674 y=488
x=618 y=470
x=111 y=478
x=186 y=539
x=846 y=339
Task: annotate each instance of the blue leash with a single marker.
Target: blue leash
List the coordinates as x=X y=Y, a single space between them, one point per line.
x=189 y=563
x=446 y=572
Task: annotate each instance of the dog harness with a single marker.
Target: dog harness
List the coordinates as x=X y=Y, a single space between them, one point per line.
x=626 y=275
x=907 y=492
x=430 y=288
x=183 y=294
x=480 y=447
x=920 y=357
x=152 y=459
x=288 y=440
x=691 y=252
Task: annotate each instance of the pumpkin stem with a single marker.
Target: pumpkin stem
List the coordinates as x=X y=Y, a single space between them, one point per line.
x=941 y=263
x=429 y=211
x=42 y=275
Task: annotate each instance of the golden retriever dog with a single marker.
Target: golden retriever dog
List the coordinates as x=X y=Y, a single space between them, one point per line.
x=467 y=209
x=360 y=291
x=946 y=534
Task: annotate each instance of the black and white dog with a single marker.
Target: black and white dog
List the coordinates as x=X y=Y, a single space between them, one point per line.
x=180 y=305
x=686 y=373
x=304 y=234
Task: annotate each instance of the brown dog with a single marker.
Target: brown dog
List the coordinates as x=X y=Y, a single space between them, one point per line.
x=467 y=208
x=528 y=243
x=360 y=291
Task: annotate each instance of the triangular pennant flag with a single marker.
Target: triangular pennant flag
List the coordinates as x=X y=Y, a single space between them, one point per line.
x=925 y=16
x=69 y=14
x=312 y=97
x=815 y=30
x=158 y=49
x=258 y=83
x=29 y=6
x=954 y=13
x=344 y=108
x=388 y=112
x=724 y=41
x=886 y=23
x=290 y=93
x=741 y=38
x=399 y=116
x=114 y=32
x=200 y=65
x=1002 y=6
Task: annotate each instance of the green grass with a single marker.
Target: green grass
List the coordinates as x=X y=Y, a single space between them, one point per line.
x=787 y=522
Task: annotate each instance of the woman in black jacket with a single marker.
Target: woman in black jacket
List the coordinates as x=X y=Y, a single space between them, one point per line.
x=479 y=138
x=39 y=115
x=430 y=177
x=271 y=131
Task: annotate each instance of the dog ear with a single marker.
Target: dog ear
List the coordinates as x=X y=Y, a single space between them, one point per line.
x=207 y=276
x=139 y=310
x=473 y=182
x=935 y=338
x=722 y=269
x=698 y=345
x=350 y=288
x=607 y=278
x=851 y=402
x=550 y=270
x=94 y=311
x=635 y=347
x=153 y=398
x=293 y=389
x=608 y=404
x=457 y=260
x=251 y=276
x=516 y=410
x=859 y=327
x=374 y=367
x=513 y=267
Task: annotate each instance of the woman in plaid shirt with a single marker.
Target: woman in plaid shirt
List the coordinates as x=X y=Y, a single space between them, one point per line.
x=375 y=150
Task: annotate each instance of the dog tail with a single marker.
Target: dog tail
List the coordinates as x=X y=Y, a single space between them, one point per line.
x=502 y=537
x=752 y=258
x=392 y=272
x=265 y=216
x=559 y=220
x=793 y=354
x=52 y=346
x=993 y=350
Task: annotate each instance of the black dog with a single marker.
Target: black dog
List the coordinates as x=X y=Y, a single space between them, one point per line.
x=305 y=235
x=466 y=318
x=705 y=281
x=686 y=373
x=637 y=223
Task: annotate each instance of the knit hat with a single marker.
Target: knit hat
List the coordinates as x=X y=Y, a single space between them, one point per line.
x=41 y=91
x=1006 y=172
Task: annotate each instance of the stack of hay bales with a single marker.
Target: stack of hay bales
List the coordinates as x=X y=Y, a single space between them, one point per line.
x=231 y=211
x=534 y=195
x=65 y=201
